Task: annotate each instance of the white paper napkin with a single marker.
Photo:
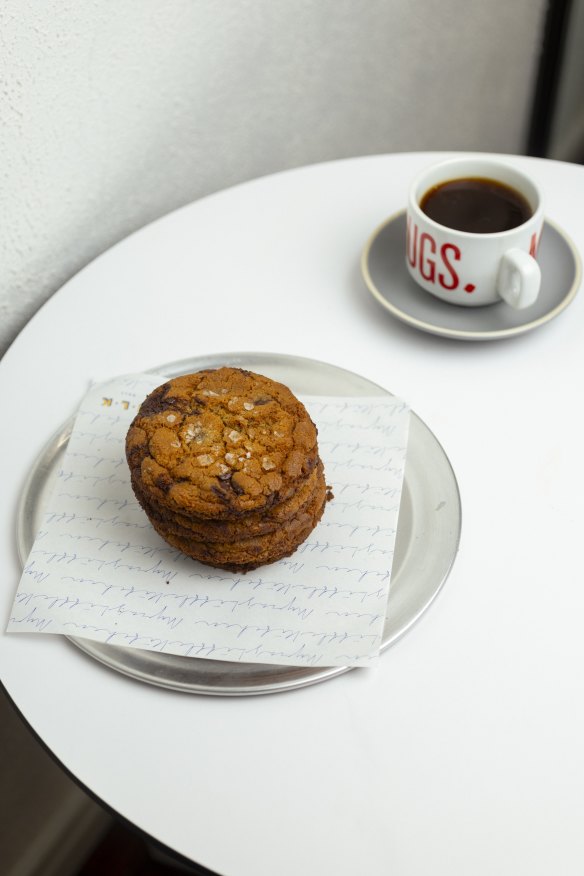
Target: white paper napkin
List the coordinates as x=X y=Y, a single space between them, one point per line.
x=98 y=570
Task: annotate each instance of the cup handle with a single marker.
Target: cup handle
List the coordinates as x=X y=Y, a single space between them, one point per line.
x=519 y=278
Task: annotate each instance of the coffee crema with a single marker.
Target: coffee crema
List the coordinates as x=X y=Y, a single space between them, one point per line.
x=476 y=205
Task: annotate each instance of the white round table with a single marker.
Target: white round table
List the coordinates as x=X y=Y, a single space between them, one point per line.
x=462 y=751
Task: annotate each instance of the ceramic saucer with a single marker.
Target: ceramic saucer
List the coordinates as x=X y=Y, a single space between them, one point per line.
x=387 y=278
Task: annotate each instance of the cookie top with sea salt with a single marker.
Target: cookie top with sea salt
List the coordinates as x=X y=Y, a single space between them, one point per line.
x=221 y=443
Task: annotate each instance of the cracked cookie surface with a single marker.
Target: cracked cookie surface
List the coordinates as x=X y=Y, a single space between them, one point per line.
x=250 y=552
x=221 y=443
x=254 y=523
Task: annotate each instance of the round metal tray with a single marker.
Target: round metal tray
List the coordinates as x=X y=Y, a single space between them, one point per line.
x=426 y=545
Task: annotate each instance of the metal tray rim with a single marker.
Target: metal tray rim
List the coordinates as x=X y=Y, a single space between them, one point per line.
x=284 y=678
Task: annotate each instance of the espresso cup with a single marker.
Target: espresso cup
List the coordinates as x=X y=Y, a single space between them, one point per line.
x=491 y=261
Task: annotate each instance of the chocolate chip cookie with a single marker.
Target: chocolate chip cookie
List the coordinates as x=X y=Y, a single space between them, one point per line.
x=248 y=553
x=221 y=443
x=244 y=526
x=225 y=464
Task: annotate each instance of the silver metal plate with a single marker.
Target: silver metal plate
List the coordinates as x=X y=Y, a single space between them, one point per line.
x=427 y=538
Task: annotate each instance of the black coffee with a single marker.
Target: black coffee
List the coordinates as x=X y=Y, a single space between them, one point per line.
x=481 y=206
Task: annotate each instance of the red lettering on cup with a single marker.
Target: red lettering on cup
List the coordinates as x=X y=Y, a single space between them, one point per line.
x=411 y=242
x=444 y=252
x=533 y=245
x=427 y=265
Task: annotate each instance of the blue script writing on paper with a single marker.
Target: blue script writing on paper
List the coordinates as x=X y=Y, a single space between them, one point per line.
x=98 y=569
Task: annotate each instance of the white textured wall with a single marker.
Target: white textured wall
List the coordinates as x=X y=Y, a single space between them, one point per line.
x=116 y=111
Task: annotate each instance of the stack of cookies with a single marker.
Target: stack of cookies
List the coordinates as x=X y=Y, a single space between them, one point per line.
x=225 y=464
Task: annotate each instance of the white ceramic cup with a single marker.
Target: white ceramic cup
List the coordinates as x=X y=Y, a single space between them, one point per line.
x=473 y=269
